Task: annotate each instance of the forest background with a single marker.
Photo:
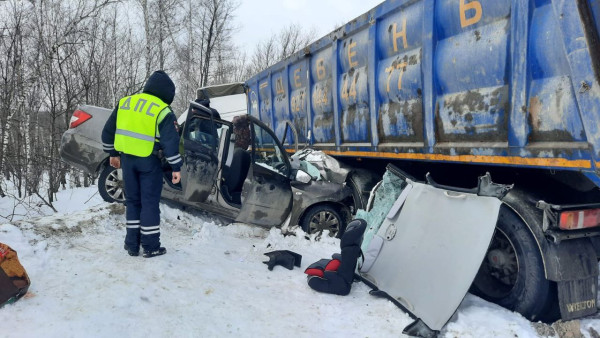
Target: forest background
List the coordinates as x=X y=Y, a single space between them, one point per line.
x=58 y=54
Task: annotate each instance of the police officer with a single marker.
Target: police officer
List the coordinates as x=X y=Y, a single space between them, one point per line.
x=138 y=127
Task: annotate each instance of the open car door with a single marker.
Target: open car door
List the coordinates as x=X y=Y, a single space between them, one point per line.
x=267 y=193
x=200 y=148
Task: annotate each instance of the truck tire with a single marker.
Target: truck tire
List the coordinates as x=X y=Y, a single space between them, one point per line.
x=110 y=185
x=361 y=181
x=512 y=273
x=323 y=217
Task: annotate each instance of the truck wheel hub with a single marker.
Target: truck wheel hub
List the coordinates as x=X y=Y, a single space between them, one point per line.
x=502 y=261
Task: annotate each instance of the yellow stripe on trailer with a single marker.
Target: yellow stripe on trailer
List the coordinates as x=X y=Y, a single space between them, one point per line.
x=504 y=160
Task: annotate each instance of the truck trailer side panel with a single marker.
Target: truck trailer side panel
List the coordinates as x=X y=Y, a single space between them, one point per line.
x=504 y=82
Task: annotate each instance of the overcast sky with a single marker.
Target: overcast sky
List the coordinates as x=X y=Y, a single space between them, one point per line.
x=259 y=19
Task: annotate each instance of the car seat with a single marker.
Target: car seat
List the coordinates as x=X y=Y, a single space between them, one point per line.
x=337 y=274
x=234 y=176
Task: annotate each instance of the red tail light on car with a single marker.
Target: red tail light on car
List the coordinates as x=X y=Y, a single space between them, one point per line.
x=579 y=219
x=79 y=116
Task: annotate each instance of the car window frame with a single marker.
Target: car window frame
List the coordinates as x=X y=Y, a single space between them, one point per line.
x=277 y=144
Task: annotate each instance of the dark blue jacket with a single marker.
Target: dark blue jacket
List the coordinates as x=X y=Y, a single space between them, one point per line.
x=160 y=85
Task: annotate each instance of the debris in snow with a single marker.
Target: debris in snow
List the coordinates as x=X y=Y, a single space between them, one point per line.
x=286 y=258
x=543 y=329
x=568 y=329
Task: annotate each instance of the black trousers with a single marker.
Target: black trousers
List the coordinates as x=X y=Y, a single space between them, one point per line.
x=143 y=185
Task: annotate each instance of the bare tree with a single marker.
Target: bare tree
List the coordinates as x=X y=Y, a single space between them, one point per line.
x=61 y=29
x=12 y=77
x=279 y=46
x=206 y=30
x=292 y=39
x=57 y=54
x=216 y=30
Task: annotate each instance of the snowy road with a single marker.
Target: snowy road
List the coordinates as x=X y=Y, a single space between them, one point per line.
x=211 y=283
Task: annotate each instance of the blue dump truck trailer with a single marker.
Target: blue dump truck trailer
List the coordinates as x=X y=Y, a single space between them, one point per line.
x=458 y=88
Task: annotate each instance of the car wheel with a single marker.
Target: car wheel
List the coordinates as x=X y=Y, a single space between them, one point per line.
x=512 y=273
x=323 y=217
x=111 y=186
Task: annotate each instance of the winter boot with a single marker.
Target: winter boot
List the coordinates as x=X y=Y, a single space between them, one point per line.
x=155 y=252
x=132 y=252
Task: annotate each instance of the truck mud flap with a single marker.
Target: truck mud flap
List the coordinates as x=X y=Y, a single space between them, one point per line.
x=577 y=298
x=575 y=270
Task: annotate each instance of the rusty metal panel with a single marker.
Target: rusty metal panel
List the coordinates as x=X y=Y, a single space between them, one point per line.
x=353 y=91
x=252 y=100
x=399 y=79
x=265 y=101
x=322 y=98
x=298 y=103
x=504 y=82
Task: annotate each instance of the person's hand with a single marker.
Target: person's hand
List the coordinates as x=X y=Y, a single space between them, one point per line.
x=176 y=177
x=115 y=161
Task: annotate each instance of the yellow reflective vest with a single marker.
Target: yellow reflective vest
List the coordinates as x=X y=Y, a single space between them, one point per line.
x=138 y=117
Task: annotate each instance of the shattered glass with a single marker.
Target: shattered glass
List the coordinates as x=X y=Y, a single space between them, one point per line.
x=329 y=168
x=384 y=198
x=310 y=169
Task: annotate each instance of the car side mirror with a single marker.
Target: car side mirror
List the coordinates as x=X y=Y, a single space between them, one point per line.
x=302 y=176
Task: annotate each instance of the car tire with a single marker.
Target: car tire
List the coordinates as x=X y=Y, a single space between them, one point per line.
x=111 y=186
x=512 y=273
x=323 y=217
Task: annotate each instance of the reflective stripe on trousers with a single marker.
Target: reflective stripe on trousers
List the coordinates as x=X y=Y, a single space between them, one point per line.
x=143 y=185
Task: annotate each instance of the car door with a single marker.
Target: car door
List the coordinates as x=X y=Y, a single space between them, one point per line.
x=267 y=193
x=200 y=154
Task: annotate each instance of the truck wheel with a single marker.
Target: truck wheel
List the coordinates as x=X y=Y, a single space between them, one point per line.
x=111 y=186
x=357 y=199
x=323 y=217
x=362 y=182
x=512 y=273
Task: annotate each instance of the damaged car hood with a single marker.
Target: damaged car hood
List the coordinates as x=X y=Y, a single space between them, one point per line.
x=427 y=246
x=316 y=162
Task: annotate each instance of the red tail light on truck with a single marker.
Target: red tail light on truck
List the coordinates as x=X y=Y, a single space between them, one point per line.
x=79 y=116
x=570 y=217
x=579 y=219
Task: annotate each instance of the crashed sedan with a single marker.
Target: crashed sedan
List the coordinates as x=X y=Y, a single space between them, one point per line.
x=249 y=179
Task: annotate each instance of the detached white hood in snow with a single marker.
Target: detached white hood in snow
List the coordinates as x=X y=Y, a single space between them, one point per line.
x=429 y=248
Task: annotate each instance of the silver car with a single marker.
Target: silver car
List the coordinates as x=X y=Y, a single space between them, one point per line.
x=258 y=184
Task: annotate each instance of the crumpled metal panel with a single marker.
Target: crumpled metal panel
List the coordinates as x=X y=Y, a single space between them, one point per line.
x=330 y=168
x=432 y=249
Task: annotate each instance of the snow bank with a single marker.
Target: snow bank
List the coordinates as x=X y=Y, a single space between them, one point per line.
x=211 y=283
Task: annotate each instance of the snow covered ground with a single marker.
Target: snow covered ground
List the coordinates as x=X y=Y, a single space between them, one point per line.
x=211 y=283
